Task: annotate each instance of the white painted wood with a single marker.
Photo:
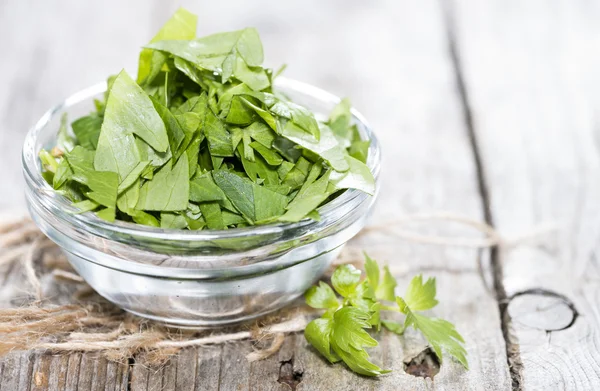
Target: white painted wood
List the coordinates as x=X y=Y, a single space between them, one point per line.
x=531 y=71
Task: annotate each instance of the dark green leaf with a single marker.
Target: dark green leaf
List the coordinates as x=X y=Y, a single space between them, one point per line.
x=254 y=202
x=87 y=130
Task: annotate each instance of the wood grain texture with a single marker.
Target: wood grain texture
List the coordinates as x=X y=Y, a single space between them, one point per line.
x=392 y=60
x=531 y=72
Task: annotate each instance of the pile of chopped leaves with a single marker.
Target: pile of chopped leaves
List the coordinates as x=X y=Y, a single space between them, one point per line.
x=202 y=140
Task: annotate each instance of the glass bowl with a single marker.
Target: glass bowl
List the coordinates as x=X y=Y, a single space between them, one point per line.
x=195 y=278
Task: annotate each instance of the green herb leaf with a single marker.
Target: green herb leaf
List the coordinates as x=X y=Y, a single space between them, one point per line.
x=358 y=176
x=168 y=190
x=345 y=279
x=321 y=296
x=182 y=25
x=87 y=130
x=253 y=201
x=420 y=296
x=318 y=334
x=440 y=333
x=394 y=327
x=349 y=339
x=327 y=147
x=383 y=287
x=341 y=333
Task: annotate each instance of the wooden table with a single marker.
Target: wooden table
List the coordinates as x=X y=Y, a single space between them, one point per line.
x=490 y=109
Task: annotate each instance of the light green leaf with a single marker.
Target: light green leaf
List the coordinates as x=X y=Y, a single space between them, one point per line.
x=128 y=111
x=219 y=139
x=211 y=211
x=174 y=130
x=394 y=327
x=310 y=196
x=372 y=271
x=348 y=329
x=182 y=25
x=219 y=52
x=360 y=150
x=386 y=290
x=64 y=141
x=358 y=360
x=172 y=221
x=204 y=189
x=321 y=296
x=270 y=157
x=168 y=190
x=318 y=334
x=133 y=176
x=327 y=147
x=358 y=176
x=420 y=296
x=441 y=334
x=345 y=278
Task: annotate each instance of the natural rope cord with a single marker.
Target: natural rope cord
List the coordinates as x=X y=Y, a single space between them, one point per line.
x=94 y=325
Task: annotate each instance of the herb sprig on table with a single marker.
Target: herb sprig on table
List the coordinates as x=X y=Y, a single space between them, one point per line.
x=202 y=140
x=340 y=334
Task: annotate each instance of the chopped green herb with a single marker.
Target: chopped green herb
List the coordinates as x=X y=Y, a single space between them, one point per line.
x=201 y=140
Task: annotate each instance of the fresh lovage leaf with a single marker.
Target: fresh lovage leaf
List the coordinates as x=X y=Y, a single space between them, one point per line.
x=174 y=130
x=182 y=25
x=357 y=177
x=172 y=221
x=440 y=333
x=321 y=296
x=219 y=138
x=236 y=53
x=256 y=203
x=309 y=197
x=64 y=141
x=327 y=147
x=117 y=150
x=349 y=339
x=318 y=333
x=383 y=287
x=420 y=296
x=168 y=190
x=341 y=333
x=87 y=130
x=345 y=279
x=340 y=122
x=252 y=155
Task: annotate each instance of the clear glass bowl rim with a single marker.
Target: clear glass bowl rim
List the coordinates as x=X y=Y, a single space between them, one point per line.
x=57 y=202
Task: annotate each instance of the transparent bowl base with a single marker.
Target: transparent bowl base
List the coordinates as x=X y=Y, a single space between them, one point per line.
x=200 y=303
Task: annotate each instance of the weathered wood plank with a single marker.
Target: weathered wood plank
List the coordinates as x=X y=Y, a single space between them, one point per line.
x=235 y=368
x=58 y=372
x=208 y=368
x=412 y=103
x=186 y=370
x=140 y=378
x=530 y=69
x=41 y=373
x=73 y=371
